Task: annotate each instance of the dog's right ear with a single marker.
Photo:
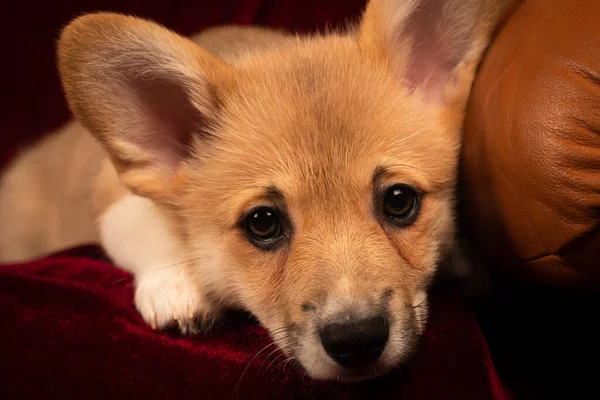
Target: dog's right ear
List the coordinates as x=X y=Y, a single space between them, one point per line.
x=432 y=46
x=148 y=94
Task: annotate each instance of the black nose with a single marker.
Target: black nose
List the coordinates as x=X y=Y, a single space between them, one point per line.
x=355 y=344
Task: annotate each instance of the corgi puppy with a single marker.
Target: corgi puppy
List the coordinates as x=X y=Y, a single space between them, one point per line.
x=309 y=180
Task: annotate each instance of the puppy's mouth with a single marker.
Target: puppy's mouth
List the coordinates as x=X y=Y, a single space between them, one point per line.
x=352 y=350
x=347 y=375
x=320 y=366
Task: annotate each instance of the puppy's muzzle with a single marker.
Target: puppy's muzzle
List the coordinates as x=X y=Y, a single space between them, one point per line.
x=355 y=344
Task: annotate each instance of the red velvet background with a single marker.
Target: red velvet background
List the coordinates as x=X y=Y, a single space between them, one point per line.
x=68 y=328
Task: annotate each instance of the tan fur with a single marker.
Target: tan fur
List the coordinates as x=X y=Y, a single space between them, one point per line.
x=314 y=117
x=46 y=201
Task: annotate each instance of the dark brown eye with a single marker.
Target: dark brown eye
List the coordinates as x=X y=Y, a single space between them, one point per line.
x=263 y=225
x=401 y=203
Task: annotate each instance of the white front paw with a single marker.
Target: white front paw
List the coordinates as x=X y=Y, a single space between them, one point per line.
x=169 y=296
x=136 y=236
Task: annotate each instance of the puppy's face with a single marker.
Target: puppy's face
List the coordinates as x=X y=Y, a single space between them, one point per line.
x=312 y=184
x=324 y=205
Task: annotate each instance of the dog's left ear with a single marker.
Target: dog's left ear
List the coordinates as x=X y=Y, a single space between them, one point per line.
x=433 y=46
x=149 y=95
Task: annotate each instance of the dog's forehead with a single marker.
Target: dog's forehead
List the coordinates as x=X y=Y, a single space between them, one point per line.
x=323 y=124
x=338 y=108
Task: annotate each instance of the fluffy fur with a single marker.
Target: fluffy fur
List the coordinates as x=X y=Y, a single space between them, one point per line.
x=186 y=139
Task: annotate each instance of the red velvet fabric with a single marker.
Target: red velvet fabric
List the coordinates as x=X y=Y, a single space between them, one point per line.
x=68 y=327
x=69 y=330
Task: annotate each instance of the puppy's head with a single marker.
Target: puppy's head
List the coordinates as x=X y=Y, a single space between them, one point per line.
x=312 y=183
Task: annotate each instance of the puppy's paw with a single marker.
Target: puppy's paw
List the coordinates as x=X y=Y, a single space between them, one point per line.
x=169 y=297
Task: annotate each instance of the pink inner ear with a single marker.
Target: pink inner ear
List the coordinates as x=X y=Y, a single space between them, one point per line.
x=440 y=41
x=428 y=74
x=169 y=122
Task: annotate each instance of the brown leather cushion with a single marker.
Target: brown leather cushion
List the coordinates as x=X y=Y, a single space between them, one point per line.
x=531 y=160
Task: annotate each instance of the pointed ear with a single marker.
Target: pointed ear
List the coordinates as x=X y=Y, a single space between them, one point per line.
x=433 y=46
x=145 y=92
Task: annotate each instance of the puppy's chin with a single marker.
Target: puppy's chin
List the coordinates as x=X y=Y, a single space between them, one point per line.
x=343 y=375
